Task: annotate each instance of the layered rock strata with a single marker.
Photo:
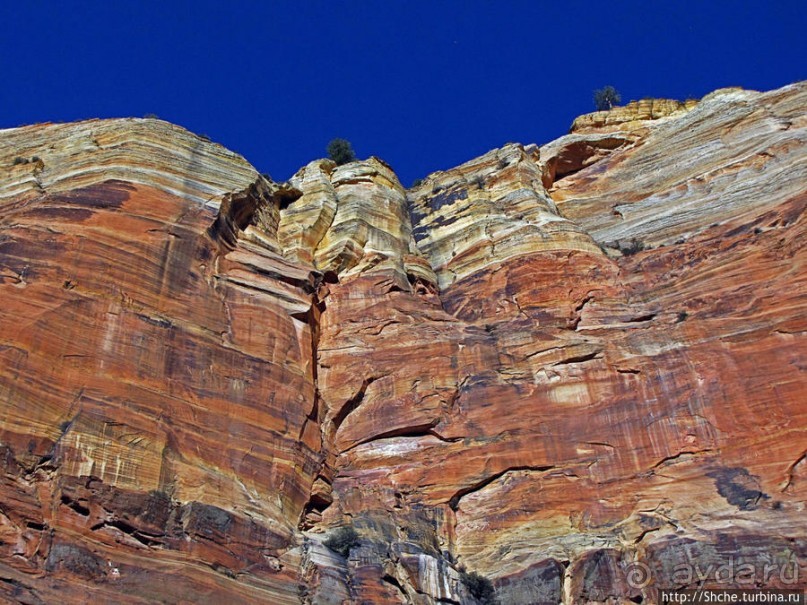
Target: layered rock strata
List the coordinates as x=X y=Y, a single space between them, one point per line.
x=577 y=370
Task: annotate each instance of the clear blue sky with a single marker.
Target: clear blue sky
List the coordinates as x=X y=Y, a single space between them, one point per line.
x=424 y=85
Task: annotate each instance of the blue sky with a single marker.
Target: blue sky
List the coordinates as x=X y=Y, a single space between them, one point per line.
x=424 y=85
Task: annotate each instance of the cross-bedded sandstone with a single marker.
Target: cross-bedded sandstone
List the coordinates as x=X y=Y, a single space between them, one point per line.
x=546 y=365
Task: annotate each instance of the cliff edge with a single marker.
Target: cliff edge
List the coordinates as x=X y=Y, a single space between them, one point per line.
x=575 y=369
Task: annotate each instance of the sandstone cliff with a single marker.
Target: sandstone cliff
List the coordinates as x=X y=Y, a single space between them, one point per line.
x=574 y=369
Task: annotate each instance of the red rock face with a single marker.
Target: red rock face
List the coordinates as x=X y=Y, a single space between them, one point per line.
x=576 y=370
x=156 y=393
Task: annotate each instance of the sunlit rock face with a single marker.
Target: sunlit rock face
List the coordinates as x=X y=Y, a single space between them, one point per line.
x=577 y=370
x=156 y=376
x=635 y=114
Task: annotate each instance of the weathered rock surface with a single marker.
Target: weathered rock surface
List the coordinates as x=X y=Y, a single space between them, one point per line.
x=141 y=346
x=558 y=367
x=633 y=115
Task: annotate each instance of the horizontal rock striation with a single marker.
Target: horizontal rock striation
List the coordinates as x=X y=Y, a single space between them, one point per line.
x=147 y=356
x=62 y=157
x=737 y=153
x=557 y=367
x=633 y=115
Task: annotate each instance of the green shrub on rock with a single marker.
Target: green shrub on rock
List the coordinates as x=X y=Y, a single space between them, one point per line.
x=606 y=97
x=341 y=151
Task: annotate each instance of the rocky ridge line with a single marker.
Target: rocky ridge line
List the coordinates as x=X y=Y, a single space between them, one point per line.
x=414 y=363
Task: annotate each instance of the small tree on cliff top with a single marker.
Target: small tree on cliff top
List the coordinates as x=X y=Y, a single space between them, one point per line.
x=606 y=97
x=341 y=151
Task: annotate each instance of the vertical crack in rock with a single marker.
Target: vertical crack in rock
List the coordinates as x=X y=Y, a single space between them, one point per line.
x=320 y=496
